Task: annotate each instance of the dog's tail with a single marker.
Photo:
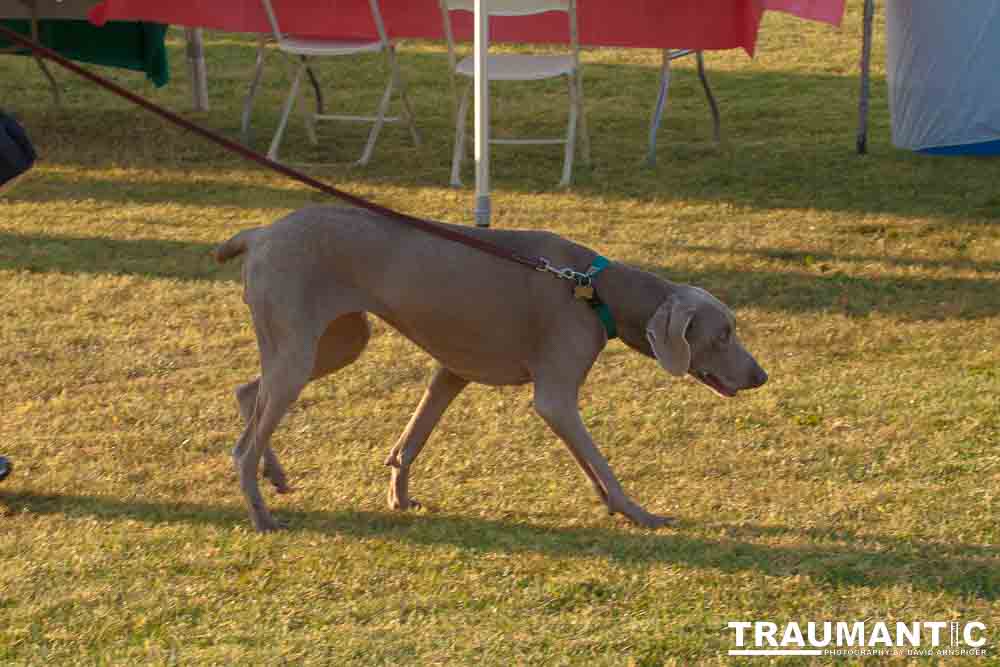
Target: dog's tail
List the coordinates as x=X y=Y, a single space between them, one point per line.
x=235 y=246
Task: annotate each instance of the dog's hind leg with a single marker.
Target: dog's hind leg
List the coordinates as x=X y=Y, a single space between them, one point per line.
x=280 y=385
x=444 y=387
x=341 y=344
x=246 y=396
x=287 y=340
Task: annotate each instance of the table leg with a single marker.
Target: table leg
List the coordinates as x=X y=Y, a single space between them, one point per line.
x=661 y=103
x=52 y=80
x=33 y=23
x=866 y=56
x=713 y=105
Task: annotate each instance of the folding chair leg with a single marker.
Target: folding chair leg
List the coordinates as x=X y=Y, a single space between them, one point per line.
x=581 y=110
x=459 y=149
x=567 y=174
x=52 y=80
x=661 y=103
x=716 y=123
x=317 y=90
x=258 y=73
x=400 y=83
x=409 y=116
x=308 y=116
x=272 y=152
x=383 y=107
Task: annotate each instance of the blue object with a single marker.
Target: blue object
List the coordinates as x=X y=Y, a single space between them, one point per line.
x=5 y=467
x=980 y=148
x=16 y=152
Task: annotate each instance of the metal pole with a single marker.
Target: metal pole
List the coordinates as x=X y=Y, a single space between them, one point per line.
x=196 y=58
x=482 y=113
x=866 y=57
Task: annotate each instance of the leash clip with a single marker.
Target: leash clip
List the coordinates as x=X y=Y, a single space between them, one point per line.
x=565 y=273
x=584 y=288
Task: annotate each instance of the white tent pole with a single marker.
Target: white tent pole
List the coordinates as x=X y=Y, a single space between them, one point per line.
x=482 y=113
x=199 y=78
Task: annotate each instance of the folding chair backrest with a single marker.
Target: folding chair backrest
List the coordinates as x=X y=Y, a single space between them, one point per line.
x=512 y=7
x=272 y=18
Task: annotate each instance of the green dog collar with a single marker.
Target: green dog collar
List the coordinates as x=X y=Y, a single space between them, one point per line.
x=603 y=312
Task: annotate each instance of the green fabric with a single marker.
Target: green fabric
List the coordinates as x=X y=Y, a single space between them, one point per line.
x=603 y=312
x=135 y=46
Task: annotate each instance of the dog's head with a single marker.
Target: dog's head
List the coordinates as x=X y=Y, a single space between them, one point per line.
x=694 y=333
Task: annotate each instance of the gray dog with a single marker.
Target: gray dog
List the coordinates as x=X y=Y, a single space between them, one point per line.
x=311 y=279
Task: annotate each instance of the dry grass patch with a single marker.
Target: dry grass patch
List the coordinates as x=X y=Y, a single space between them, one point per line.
x=860 y=483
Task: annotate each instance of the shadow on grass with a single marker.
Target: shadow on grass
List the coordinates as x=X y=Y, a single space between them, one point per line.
x=805 y=290
x=799 y=289
x=813 y=258
x=835 y=559
x=154 y=258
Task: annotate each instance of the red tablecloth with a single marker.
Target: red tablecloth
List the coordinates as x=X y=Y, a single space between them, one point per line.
x=692 y=24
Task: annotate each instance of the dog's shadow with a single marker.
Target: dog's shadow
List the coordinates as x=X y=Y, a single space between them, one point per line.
x=830 y=558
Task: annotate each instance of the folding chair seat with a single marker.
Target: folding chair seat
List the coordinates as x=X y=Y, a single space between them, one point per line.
x=518 y=67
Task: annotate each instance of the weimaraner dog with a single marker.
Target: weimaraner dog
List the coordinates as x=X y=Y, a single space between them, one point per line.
x=311 y=278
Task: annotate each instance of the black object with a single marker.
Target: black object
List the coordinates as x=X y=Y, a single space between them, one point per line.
x=16 y=152
x=5 y=467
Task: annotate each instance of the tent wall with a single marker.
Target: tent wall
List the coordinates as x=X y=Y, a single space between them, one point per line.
x=943 y=67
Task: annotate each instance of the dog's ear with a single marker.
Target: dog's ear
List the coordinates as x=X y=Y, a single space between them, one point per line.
x=666 y=332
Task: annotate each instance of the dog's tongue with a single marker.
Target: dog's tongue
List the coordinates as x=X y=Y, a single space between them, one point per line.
x=717 y=386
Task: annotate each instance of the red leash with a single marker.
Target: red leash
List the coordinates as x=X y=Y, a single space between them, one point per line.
x=427 y=226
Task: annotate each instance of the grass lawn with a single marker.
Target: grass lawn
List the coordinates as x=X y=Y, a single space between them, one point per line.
x=861 y=483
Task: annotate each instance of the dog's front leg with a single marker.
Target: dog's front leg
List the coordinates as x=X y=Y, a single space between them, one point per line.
x=444 y=387
x=556 y=403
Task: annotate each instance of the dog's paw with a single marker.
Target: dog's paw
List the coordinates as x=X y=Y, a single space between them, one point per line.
x=402 y=504
x=277 y=479
x=653 y=521
x=267 y=524
x=641 y=517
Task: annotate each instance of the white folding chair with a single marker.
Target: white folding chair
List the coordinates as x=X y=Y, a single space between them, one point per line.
x=305 y=48
x=518 y=67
